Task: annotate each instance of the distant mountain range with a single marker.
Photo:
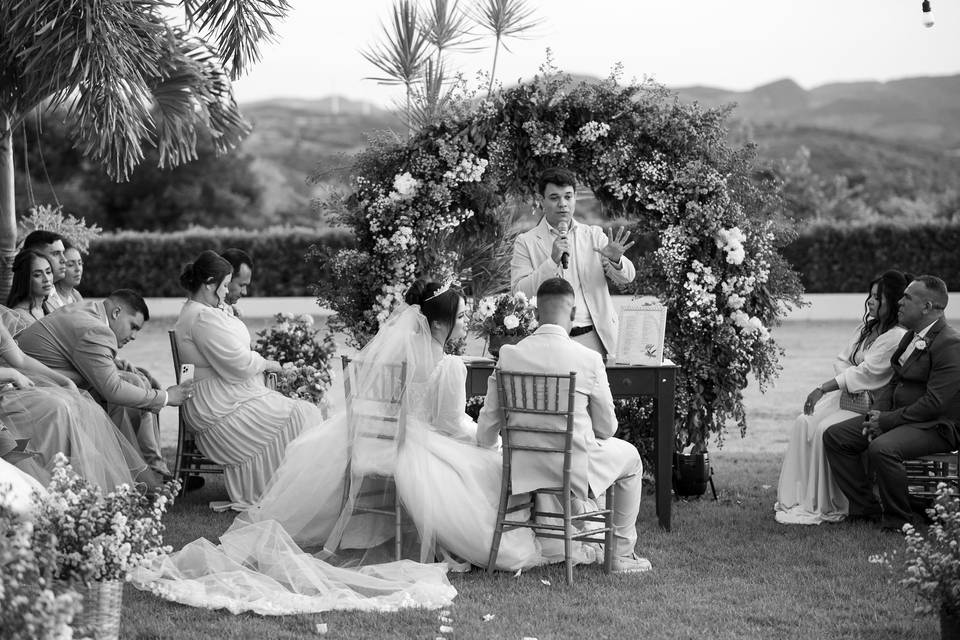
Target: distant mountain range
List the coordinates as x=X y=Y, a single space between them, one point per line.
x=908 y=127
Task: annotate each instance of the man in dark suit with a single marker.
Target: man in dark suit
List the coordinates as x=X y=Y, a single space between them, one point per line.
x=916 y=414
x=82 y=343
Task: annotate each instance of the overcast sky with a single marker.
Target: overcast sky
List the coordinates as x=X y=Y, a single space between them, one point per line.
x=732 y=44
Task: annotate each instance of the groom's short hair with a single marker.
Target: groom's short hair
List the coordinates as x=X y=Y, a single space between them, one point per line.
x=557 y=176
x=554 y=287
x=936 y=290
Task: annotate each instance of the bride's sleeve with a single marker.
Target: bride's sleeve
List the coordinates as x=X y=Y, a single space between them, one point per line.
x=876 y=369
x=450 y=417
x=224 y=349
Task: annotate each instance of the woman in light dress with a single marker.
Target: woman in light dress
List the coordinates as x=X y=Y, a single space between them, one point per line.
x=448 y=485
x=238 y=421
x=807 y=493
x=67 y=287
x=45 y=406
x=32 y=283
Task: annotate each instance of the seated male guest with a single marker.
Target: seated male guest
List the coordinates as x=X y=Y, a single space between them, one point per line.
x=242 y=265
x=608 y=460
x=916 y=414
x=561 y=247
x=83 y=343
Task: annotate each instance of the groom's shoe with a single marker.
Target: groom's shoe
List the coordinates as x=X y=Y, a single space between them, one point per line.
x=630 y=564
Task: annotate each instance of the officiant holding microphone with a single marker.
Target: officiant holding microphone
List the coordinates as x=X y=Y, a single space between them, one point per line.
x=581 y=254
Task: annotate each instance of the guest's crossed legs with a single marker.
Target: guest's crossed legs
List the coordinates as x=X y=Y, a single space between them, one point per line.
x=845 y=443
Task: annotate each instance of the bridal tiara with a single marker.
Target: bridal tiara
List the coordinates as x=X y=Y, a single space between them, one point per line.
x=443 y=289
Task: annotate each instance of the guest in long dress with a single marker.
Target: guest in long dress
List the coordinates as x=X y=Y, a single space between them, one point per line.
x=30 y=290
x=67 y=287
x=238 y=421
x=807 y=492
x=46 y=407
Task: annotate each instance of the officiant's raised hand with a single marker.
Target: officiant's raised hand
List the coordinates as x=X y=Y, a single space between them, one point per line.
x=617 y=245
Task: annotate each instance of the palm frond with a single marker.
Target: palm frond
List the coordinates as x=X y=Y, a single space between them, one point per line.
x=404 y=49
x=506 y=18
x=194 y=95
x=238 y=26
x=447 y=26
x=431 y=96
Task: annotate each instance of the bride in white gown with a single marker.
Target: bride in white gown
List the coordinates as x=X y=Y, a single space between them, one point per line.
x=448 y=485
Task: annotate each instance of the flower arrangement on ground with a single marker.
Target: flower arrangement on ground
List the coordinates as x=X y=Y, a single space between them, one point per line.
x=33 y=605
x=507 y=314
x=292 y=341
x=933 y=558
x=101 y=536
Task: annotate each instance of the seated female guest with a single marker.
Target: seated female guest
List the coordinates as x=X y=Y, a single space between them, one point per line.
x=238 y=421
x=67 y=287
x=45 y=406
x=32 y=283
x=807 y=493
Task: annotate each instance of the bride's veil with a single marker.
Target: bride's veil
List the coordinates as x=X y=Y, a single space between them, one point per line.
x=263 y=563
x=382 y=398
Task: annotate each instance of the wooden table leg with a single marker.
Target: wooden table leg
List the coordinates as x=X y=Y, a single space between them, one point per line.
x=663 y=445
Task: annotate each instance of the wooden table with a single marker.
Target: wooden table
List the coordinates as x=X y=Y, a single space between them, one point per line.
x=627 y=381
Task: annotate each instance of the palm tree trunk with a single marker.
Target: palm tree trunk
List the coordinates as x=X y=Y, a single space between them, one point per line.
x=493 y=70
x=8 y=216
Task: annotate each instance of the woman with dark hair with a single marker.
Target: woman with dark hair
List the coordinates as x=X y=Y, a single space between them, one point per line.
x=32 y=284
x=807 y=493
x=238 y=421
x=67 y=286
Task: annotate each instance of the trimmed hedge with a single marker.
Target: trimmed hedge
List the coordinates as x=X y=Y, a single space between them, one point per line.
x=150 y=262
x=830 y=259
x=843 y=259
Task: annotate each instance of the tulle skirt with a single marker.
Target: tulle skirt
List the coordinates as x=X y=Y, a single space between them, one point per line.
x=59 y=420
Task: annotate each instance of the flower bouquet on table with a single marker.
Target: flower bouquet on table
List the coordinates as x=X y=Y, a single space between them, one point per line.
x=100 y=539
x=504 y=319
x=292 y=341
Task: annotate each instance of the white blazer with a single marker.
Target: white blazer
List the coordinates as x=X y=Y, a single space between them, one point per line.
x=551 y=350
x=531 y=264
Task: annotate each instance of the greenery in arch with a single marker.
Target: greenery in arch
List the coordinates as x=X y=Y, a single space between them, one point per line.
x=438 y=204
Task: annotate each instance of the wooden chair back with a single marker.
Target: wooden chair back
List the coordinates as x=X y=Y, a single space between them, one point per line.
x=538 y=419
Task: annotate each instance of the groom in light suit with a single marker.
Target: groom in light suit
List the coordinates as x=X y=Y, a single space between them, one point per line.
x=916 y=414
x=600 y=460
x=592 y=258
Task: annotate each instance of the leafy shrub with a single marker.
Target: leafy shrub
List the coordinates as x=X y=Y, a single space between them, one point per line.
x=287 y=260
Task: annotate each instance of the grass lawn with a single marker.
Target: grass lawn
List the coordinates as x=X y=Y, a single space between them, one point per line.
x=726 y=570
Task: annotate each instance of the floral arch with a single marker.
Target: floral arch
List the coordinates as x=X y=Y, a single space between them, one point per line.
x=440 y=203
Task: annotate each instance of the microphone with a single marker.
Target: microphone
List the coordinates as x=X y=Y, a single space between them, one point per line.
x=563 y=227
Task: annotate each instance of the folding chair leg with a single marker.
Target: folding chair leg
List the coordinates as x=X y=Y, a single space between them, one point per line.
x=498 y=529
x=608 y=536
x=397 y=524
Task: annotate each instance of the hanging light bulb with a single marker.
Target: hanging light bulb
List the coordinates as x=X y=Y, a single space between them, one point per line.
x=927 y=14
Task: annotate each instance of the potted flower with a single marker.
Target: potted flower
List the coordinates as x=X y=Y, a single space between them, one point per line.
x=32 y=603
x=933 y=562
x=504 y=319
x=292 y=341
x=100 y=539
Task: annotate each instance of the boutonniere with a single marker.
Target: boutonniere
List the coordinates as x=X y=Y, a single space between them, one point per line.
x=920 y=344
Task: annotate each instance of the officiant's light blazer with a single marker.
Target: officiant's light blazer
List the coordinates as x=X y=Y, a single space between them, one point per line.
x=77 y=342
x=925 y=390
x=531 y=264
x=551 y=350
